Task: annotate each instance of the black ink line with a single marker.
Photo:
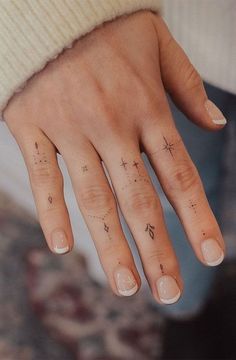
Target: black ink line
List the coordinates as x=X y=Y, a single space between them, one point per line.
x=50 y=199
x=162 y=269
x=36 y=147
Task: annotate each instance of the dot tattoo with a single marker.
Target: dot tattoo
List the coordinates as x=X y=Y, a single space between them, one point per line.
x=193 y=206
x=169 y=147
x=39 y=158
x=150 y=229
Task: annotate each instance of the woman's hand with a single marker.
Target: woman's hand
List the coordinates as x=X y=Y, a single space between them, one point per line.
x=104 y=101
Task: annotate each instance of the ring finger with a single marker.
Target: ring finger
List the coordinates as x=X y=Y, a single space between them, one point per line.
x=142 y=210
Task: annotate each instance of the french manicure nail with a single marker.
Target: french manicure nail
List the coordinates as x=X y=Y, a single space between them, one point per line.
x=59 y=242
x=212 y=252
x=168 y=289
x=215 y=114
x=125 y=281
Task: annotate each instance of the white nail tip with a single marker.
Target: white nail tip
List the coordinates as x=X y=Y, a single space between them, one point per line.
x=129 y=292
x=61 y=250
x=216 y=262
x=171 y=301
x=220 y=121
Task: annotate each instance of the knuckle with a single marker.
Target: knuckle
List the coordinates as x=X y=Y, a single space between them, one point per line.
x=44 y=175
x=141 y=201
x=183 y=178
x=192 y=79
x=95 y=198
x=111 y=251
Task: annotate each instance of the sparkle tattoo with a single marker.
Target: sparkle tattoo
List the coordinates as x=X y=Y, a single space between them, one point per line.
x=150 y=229
x=169 y=147
x=84 y=168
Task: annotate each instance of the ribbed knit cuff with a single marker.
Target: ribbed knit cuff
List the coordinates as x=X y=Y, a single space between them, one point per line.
x=33 y=32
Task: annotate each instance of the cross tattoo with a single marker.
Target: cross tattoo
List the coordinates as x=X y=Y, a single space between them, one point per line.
x=136 y=164
x=123 y=163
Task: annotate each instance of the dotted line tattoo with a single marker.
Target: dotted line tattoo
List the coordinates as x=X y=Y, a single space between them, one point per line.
x=39 y=158
x=193 y=207
x=102 y=220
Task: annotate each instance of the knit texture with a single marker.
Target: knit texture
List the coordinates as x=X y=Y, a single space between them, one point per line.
x=33 y=32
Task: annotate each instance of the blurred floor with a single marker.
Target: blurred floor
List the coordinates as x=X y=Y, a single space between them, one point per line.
x=50 y=308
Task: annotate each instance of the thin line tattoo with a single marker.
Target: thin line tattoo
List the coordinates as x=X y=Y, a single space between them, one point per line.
x=169 y=147
x=162 y=269
x=150 y=229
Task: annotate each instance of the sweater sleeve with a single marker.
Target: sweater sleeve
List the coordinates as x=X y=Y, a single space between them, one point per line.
x=33 y=32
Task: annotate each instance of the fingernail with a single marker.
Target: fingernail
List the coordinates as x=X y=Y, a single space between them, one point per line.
x=59 y=242
x=125 y=281
x=215 y=113
x=168 y=289
x=212 y=252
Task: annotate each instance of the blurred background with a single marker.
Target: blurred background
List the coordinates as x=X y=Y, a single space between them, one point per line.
x=59 y=307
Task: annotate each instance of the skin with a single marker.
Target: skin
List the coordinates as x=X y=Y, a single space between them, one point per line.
x=104 y=100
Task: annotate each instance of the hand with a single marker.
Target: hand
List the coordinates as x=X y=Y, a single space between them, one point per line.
x=104 y=101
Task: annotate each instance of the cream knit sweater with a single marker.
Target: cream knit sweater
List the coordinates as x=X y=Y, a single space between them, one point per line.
x=33 y=32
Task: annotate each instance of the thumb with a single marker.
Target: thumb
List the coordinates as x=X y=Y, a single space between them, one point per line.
x=185 y=86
